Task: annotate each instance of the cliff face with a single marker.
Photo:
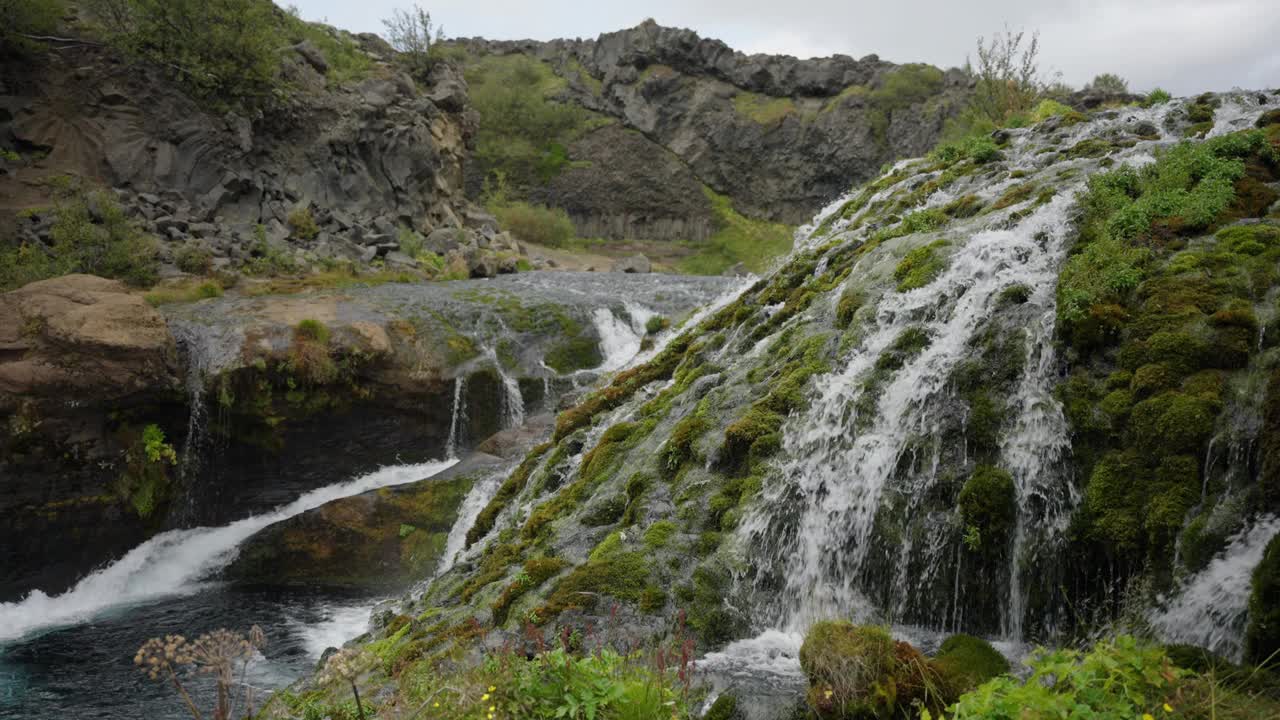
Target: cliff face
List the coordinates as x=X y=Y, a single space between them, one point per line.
x=777 y=135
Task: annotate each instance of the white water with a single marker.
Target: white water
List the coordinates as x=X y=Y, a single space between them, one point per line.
x=1212 y=608
x=512 y=401
x=459 y=412
x=477 y=498
x=341 y=623
x=178 y=561
x=619 y=339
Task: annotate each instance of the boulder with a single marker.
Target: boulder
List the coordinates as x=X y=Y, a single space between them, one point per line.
x=308 y=51
x=634 y=264
x=81 y=336
x=384 y=539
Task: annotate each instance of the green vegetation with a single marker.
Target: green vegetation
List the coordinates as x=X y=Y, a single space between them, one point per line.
x=738 y=239
x=145 y=482
x=988 y=506
x=967 y=662
x=763 y=109
x=22 y=19
x=524 y=132
x=533 y=223
x=857 y=672
x=920 y=266
x=303 y=224
x=1119 y=678
x=185 y=292
x=980 y=149
x=90 y=235
x=1158 y=96
x=1108 y=83
x=222 y=50
x=1052 y=108
x=1262 y=639
x=902 y=88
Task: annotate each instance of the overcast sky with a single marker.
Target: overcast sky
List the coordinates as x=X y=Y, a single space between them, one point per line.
x=1185 y=46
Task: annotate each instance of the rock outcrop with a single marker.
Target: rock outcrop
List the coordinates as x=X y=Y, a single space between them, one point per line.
x=780 y=136
x=384 y=539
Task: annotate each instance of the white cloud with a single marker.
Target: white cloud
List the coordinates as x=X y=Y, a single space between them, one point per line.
x=1184 y=45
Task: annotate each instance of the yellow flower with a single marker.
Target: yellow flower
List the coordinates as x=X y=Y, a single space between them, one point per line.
x=484 y=696
x=492 y=708
x=437 y=704
x=1168 y=708
x=492 y=688
x=1147 y=716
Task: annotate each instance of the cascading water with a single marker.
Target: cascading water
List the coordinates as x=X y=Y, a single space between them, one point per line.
x=1211 y=609
x=457 y=416
x=861 y=460
x=178 y=561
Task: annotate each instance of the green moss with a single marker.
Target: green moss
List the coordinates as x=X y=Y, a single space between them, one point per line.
x=920 y=267
x=967 y=662
x=851 y=301
x=988 y=502
x=536 y=571
x=763 y=109
x=724 y=708
x=621 y=575
x=1014 y=195
x=737 y=239
x=578 y=353
x=963 y=207
x=850 y=669
x=659 y=534
x=1262 y=638
x=680 y=446
x=742 y=434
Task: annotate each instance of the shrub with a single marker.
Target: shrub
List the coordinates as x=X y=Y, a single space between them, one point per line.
x=303 y=224
x=222 y=50
x=194 y=259
x=1109 y=83
x=1008 y=76
x=534 y=223
x=1052 y=108
x=20 y=19
x=410 y=32
x=102 y=242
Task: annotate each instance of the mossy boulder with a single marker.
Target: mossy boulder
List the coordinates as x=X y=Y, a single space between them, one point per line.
x=859 y=671
x=1262 y=638
x=966 y=662
x=384 y=539
x=988 y=502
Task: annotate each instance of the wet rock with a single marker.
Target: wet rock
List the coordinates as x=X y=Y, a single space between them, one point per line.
x=379 y=540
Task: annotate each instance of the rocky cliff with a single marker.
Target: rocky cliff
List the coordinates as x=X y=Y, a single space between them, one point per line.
x=669 y=112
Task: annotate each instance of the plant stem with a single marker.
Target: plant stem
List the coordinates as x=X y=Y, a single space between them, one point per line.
x=359 y=707
x=195 y=712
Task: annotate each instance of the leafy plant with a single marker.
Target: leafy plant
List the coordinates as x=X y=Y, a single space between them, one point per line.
x=411 y=33
x=1120 y=678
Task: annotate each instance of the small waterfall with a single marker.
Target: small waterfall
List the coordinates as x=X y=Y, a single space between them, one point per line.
x=477 y=498
x=458 y=416
x=1211 y=610
x=512 y=401
x=177 y=562
x=840 y=463
x=619 y=340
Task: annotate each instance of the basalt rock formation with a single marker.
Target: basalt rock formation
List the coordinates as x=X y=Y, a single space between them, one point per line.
x=777 y=135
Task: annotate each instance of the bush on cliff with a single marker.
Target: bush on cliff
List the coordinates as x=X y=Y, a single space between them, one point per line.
x=222 y=50
x=90 y=234
x=21 y=20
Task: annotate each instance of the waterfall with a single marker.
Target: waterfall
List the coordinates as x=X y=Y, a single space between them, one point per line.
x=512 y=401
x=844 y=527
x=1211 y=610
x=459 y=414
x=178 y=562
x=619 y=339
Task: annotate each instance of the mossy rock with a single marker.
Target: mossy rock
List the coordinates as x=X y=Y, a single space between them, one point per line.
x=966 y=662
x=849 y=668
x=725 y=708
x=384 y=539
x=988 y=501
x=1262 y=638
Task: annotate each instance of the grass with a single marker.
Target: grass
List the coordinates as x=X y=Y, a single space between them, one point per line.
x=190 y=291
x=738 y=239
x=763 y=109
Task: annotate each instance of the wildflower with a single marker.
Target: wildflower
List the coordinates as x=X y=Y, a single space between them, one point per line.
x=1147 y=716
x=1168 y=707
x=492 y=688
x=484 y=697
